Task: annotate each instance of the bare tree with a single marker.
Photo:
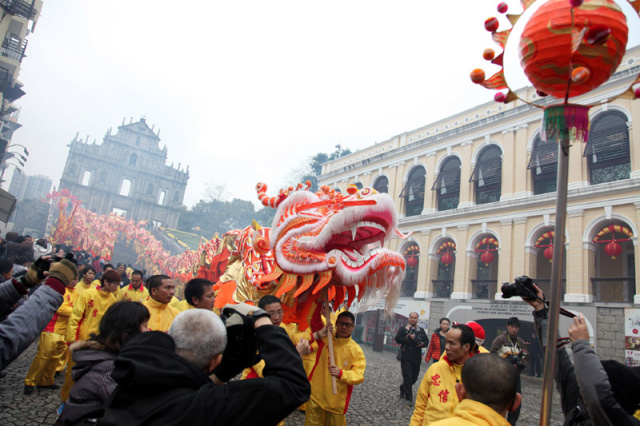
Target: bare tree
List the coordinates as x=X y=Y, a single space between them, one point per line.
x=215 y=191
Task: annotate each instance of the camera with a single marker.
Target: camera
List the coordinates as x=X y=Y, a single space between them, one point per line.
x=518 y=360
x=522 y=286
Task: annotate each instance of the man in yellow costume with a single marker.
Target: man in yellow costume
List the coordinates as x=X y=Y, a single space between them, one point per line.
x=135 y=291
x=161 y=290
x=198 y=294
x=52 y=346
x=487 y=392
x=437 y=396
x=88 y=275
x=88 y=310
x=325 y=408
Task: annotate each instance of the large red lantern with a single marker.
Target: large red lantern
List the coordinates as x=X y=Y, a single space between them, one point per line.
x=487 y=257
x=412 y=261
x=548 y=254
x=613 y=249
x=550 y=51
x=447 y=259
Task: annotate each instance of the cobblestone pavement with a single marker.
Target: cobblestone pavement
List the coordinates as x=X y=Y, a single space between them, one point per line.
x=374 y=402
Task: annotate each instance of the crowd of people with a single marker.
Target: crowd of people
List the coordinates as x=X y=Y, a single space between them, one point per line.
x=132 y=353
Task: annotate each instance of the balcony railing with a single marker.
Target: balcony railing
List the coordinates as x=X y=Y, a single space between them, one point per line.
x=615 y=290
x=484 y=289
x=19 y=8
x=13 y=50
x=545 y=285
x=442 y=288
x=4 y=78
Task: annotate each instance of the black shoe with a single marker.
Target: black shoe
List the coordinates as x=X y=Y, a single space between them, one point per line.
x=28 y=390
x=408 y=402
x=53 y=387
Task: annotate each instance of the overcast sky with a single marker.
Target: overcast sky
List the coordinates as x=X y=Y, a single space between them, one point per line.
x=245 y=91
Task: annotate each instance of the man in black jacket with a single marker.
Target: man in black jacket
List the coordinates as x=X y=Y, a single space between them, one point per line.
x=412 y=338
x=164 y=378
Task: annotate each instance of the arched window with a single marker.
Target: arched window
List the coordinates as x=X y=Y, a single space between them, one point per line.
x=161 y=198
x=381 y=184
x=544 y=166
x=487 y=176
x=447 y=184
x=125 y=187
x=133 y=159
x=607 y=149
x=413 y=192
x=86 y=178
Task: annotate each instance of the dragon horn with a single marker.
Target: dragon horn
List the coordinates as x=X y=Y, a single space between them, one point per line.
x=273 y=202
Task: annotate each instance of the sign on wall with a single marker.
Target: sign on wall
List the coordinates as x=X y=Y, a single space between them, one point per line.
x=632 y=337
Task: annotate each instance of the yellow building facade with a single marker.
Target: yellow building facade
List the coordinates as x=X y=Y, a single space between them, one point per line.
x=479 y=187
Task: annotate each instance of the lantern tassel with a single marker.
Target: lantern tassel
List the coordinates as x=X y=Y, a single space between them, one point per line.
x=566 y=122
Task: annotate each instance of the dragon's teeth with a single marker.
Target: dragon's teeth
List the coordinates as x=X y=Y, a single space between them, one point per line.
x=354 y=230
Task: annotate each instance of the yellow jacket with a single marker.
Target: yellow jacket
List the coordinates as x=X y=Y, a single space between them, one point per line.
x=350 y=359
x=175 y=302
x=470 y=412
x=437 y=395
x=183 y=306
x=81 y=286
x=131 y=294
x=60 y=320
x=87 y=313
x=162 y=314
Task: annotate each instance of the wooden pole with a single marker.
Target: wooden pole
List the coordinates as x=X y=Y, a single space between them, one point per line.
x=332 y=356
x=556 y=280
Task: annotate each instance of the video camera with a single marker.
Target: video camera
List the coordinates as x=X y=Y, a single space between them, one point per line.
x=518 y=360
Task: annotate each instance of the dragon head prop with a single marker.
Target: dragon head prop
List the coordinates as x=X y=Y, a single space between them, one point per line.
x=330 y=239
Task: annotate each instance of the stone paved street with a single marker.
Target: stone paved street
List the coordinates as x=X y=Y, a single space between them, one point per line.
x=374 y=402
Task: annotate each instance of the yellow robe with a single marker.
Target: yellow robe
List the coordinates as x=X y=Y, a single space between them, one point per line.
x=470 y=412
x=88 y=310
x=437 y=397
x=131 y=294
x=81 y=286
x=162 y=314
x=350 y=359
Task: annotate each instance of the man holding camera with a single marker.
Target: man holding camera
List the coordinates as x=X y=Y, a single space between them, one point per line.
x=412 y=338
x=163 y=378
x=512 y=347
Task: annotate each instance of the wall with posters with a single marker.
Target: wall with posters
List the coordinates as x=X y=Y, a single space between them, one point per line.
x=493 y=315
x=374 y=327
x=632 y=337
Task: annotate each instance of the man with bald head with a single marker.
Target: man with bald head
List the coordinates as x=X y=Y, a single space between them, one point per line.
x=487 y=392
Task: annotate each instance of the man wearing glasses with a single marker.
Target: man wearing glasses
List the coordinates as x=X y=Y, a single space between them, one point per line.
x=325 y=408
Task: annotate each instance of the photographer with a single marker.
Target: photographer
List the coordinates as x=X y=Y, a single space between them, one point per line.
x=164 y=378
x=26 y=323
x=508 y=345
x=412 y=338
x=591 y=392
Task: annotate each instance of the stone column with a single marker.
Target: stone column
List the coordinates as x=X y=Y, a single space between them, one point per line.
x=465 y=262
x=506 y=262
x=580 y=259
x=466 y=188
x=430 y=198
x=423 y=287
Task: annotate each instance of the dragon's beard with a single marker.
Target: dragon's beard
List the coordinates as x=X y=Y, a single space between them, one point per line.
x=386 y=281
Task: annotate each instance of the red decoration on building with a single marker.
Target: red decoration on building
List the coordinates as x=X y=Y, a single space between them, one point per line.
x=487 y=257
x=548 y=253
x=613 y=249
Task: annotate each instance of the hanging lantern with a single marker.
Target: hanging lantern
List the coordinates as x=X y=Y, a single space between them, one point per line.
x=412 y=261
x=613 y=249
x=447 y=259
x=548 y=254
x=487 y=257
x=555 y=24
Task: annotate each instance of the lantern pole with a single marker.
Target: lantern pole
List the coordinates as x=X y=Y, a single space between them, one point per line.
x=556 y=279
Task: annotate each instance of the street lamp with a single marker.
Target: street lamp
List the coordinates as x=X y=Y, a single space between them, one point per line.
x=22 y=146
x=6 y=165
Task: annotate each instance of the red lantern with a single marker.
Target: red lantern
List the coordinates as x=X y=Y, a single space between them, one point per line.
x=548 y=254
x=613 y=249
x=487 y=257
x=548 y=40
x=447 y=259
x=412 y=261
